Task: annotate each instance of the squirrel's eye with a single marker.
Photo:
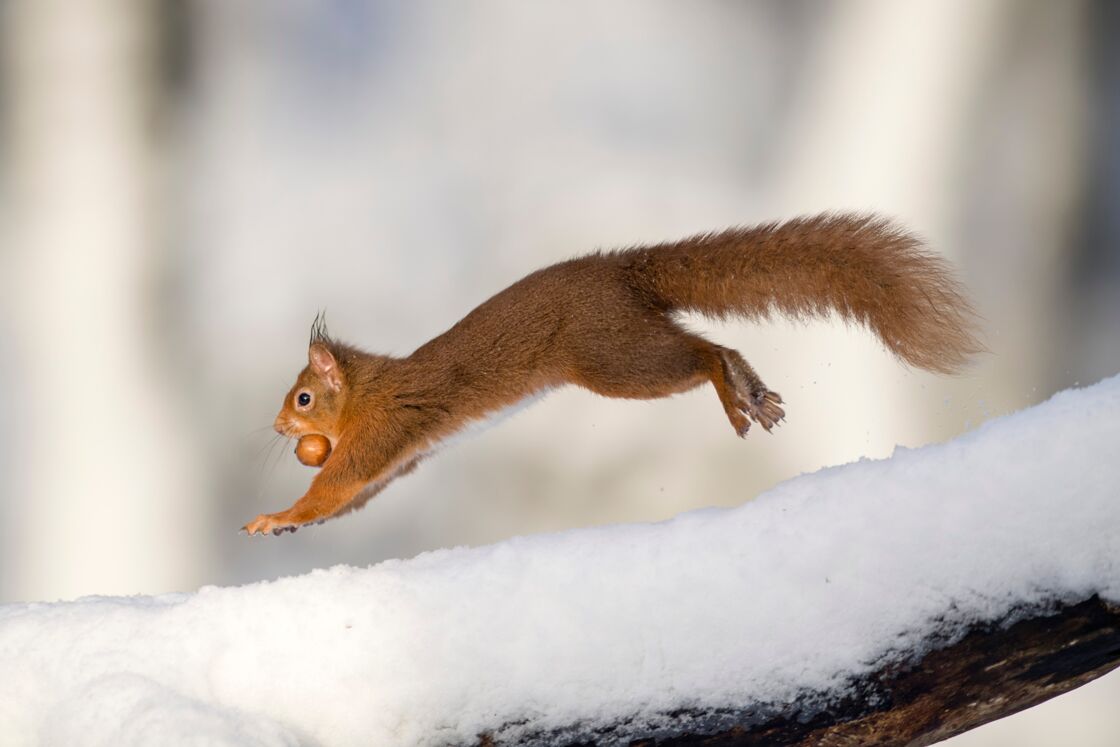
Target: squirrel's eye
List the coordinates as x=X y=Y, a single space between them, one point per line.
x=304 y=399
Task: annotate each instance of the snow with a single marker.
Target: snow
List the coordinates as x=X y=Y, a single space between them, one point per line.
x=816 y=580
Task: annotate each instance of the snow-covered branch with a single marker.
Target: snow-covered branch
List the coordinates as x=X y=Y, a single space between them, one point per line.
x=994 y=670
x=874 y=597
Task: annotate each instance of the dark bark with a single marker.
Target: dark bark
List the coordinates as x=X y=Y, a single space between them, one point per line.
x=992 y=671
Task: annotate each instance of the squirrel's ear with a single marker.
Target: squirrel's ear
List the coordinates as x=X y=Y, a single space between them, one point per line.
x=324 y=365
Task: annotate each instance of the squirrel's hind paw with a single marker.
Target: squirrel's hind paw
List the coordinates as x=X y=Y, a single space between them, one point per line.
x=764 y=409
x=767 y=411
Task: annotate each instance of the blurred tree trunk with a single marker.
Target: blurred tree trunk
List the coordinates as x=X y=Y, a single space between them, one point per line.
x=101 y=499
x=891 y=123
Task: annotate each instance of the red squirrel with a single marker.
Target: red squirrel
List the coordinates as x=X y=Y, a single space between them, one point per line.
x=606 y=322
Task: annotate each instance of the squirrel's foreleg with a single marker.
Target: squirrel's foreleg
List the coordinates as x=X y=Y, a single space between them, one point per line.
x=337 y=485
x=321 y=501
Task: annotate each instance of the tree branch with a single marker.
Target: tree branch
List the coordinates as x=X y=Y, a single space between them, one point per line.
x=992 y=671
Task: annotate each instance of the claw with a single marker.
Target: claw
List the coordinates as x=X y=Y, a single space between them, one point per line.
x=763 y=409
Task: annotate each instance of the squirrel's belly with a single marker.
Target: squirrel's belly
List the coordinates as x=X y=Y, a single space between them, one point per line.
x=475 y=426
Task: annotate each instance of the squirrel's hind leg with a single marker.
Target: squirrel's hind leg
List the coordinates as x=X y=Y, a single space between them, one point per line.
x=666 y=360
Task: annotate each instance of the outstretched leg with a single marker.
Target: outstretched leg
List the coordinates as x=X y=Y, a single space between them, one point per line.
x=668 y=360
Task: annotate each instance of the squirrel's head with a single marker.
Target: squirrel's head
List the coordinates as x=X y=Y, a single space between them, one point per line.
x=314 y=403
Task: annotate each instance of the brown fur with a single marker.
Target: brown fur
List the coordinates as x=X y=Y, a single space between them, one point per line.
x=606 y=322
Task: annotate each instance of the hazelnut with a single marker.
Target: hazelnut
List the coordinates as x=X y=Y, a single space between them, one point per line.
x=313 y=450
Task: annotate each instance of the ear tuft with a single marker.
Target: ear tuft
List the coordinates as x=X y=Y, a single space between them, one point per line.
x=319 y=329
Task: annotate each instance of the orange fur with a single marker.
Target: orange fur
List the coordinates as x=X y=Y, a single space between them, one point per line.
x=606 y=322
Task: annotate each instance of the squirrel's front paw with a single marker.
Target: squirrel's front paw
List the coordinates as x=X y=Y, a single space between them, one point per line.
x=275 y=523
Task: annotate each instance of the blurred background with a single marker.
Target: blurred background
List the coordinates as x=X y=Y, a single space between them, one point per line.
x=183 y=185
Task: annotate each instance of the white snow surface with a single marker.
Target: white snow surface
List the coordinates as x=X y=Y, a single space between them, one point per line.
x=816 y=580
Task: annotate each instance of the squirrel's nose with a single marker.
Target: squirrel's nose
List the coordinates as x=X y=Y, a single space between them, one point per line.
x=280 y=425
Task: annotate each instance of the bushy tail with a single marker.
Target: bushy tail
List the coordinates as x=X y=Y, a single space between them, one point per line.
x=863 y=267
